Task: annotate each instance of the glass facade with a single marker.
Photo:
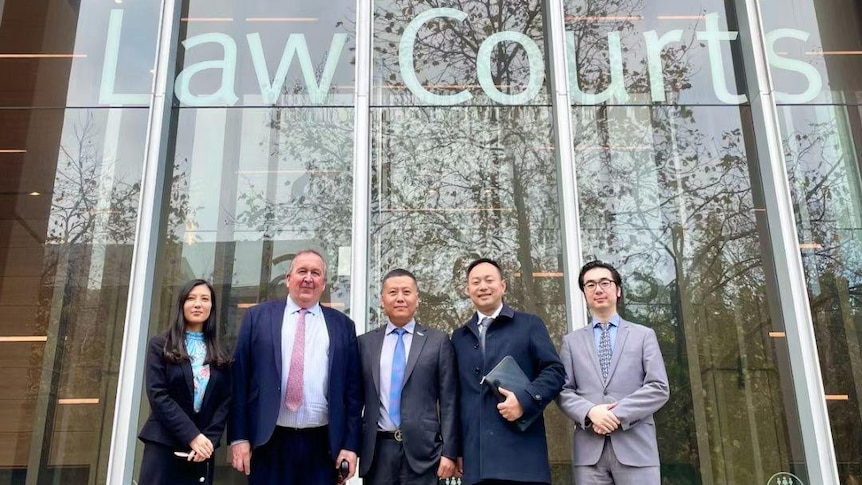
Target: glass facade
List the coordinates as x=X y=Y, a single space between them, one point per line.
x=418 y=134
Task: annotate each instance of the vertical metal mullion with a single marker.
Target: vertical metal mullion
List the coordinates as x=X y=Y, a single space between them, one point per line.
x=127 y=406
x=361 y=167
x=567 y=178
x=791 y=293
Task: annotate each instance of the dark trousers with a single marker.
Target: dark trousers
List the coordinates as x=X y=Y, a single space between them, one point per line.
x=160 y=466
x=390 y=467
x=294 y=457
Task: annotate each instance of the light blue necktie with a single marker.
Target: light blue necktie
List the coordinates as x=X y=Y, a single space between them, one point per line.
x=399 y=365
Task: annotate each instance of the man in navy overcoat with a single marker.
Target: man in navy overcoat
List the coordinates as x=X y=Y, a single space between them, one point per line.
x=495 y=450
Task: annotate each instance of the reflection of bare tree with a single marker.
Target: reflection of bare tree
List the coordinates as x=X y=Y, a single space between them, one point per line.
x=452 y=184
x=90 y=232
x=446 y=51
x=309 y=197
x=825 y=182
x=88 y=193
x=673 y=205
x=464 y=182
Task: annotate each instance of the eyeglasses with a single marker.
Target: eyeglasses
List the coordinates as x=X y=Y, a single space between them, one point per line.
x=604 y=283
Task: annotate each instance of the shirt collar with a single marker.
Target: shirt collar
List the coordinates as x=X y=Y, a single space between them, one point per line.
x=293 y=307
x=480 y=315
x=410 y=327
x=614 y=321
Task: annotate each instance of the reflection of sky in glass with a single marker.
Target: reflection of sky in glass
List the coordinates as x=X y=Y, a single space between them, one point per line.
x=275 y=23
x=136 y=55
x=262 y=174
x=832 y=48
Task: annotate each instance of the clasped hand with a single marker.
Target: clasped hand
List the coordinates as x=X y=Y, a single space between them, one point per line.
x=201 y=448
x=603 y=420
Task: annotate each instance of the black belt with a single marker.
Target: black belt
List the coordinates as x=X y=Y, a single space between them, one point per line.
x=390 y=435
x=314 y=430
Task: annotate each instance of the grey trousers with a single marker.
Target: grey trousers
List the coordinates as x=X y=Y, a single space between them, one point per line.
x=609 y=471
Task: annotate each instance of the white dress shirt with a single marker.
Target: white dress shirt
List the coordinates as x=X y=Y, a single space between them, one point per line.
x=384 y=422
x=481 y=316
x=314 y=410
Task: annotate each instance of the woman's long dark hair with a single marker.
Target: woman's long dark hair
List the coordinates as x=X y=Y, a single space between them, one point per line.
x=175 y=336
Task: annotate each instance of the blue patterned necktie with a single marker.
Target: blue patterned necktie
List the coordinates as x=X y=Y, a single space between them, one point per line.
x=605 y=350
x=399 y=365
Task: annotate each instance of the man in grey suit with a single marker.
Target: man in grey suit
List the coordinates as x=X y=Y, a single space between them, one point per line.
x=615 y=381
x=408 y=372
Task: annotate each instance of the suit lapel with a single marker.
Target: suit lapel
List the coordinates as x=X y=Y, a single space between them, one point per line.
x=473 y=325
x=331 y=330
x=590 y=346
x=419 y=338
x=211 y=385
x=376 y=351
x=619 y=347
x=276 y=319
x=186 y=366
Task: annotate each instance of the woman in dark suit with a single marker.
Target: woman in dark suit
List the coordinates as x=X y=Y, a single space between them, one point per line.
x=188 y=387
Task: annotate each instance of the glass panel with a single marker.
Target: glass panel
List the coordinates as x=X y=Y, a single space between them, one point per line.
x=261 y=53
x=248 y=188
x=77 y=53
x=814 y=49
x=452 y=183
x=68 y=207
x=666 y=195
x=669 y=194
x=822 y=149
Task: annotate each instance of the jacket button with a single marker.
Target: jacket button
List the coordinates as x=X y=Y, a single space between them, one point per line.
x=605 y=392
x=476 y=370
x=475 y=346
x=537 y=397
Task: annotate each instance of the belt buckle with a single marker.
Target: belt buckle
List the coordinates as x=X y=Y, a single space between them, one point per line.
x=398 y=435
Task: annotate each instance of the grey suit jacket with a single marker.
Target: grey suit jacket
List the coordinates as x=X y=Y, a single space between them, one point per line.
x=637 y=382
x=430 y=384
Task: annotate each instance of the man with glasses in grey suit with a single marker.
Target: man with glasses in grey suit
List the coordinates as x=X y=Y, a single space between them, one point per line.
x=615 y=381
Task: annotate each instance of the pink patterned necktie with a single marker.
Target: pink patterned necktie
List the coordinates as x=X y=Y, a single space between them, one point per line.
x=293 y=398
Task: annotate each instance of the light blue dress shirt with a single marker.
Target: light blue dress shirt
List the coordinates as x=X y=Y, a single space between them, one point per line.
x=597 y=330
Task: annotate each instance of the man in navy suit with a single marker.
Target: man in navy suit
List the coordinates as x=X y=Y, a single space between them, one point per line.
x=297 y=402
x=503 y=441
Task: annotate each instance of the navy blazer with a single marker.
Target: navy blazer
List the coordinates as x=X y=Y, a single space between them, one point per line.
x=257 y=378
x=492 y=447
x=170 y=391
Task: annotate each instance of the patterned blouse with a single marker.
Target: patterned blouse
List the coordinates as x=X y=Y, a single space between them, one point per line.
x=197 y=350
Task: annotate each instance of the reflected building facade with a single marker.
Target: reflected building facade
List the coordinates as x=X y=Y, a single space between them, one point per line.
x=708 y=149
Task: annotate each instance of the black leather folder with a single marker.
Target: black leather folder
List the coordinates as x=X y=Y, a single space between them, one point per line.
x=509 y=375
